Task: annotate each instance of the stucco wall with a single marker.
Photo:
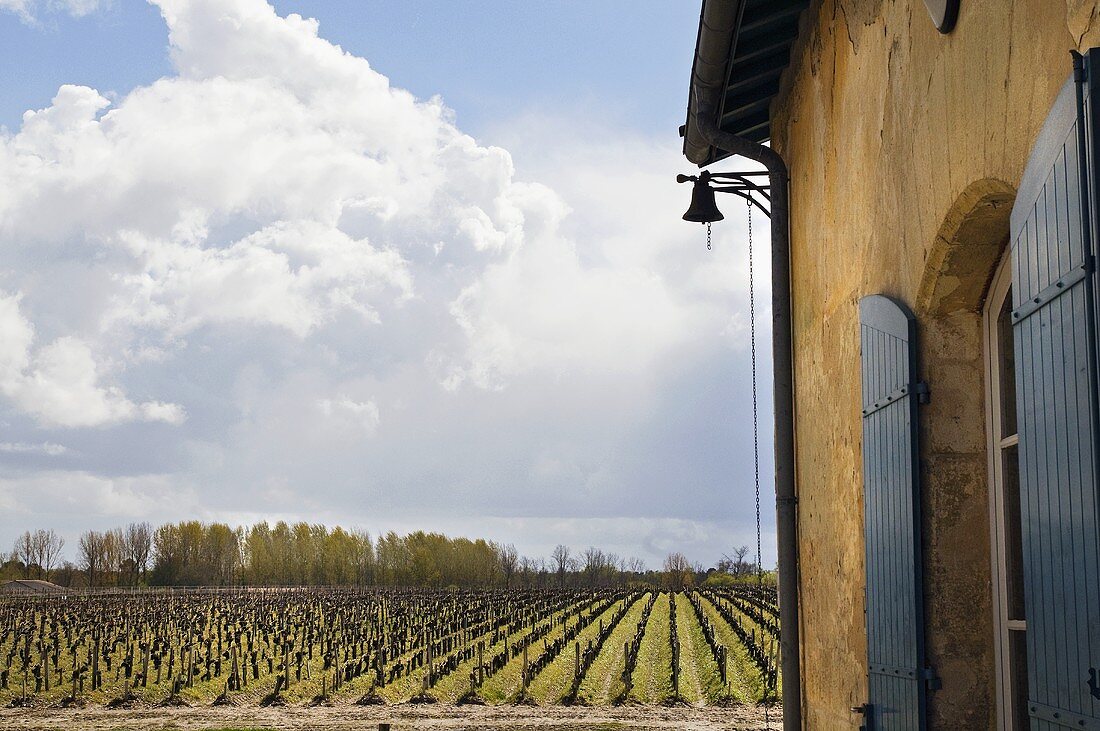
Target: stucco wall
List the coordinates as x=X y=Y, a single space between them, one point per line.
x=905 y=148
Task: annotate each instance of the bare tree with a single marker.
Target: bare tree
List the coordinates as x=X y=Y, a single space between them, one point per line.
x=509 y=561
x=593 y=562
x=137 y=542
x=48 y=547
x=542 y=571
x=736 y=564
x=573 y=568
x=91 y=555
x=25 y=552
x=113 y=555
x=678 y=572
x=611 y=572
x=561 y=556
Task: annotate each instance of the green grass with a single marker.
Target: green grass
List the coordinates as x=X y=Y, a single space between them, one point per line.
x=699 y=678
x=457 y=684
x=603 y=682
x=553 y=683
x=505 y=685
x=745 y=681
x=652 y=676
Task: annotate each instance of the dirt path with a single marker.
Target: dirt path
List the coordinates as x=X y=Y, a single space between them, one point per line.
x=403 y=717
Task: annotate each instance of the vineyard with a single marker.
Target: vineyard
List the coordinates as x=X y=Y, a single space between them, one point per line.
x=331 y=646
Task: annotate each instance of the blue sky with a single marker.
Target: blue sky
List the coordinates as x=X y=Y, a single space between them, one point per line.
x=619 y=60
x=245 y=276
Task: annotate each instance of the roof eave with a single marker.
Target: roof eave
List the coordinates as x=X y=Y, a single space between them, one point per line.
x=758 y=45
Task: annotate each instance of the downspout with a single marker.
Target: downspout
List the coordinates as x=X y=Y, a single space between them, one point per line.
x=717 y=26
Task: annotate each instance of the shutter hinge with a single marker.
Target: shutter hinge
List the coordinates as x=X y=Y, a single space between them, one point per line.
x=924 y=394
x=931 y=679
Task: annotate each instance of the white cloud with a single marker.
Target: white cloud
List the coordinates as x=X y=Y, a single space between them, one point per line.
x=79 y=8
x=46 y=448
x=79 y=498
x=279 y=245
x=59 y=383
x=19 y=7
x=360 y=414
x=28 y=9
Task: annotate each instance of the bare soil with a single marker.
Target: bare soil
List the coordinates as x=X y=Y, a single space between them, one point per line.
x=401 y=717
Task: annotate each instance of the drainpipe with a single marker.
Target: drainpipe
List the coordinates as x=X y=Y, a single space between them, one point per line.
x=716 y=35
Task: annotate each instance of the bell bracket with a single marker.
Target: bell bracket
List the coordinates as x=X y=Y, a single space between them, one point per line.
x=741 y=184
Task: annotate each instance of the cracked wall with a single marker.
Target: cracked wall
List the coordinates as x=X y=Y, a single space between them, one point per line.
x=905 y=148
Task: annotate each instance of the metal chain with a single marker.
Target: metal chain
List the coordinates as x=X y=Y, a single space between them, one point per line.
x=756 y=437
x=708 y=235
x=755 y=405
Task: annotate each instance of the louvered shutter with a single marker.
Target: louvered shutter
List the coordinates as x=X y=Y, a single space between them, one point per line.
x=1054 y=321
x=891 y=505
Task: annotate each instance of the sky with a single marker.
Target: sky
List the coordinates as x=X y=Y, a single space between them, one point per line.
x=387 y=264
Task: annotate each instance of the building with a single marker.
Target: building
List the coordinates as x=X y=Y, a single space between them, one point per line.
x=939 y=488
x=24 y=587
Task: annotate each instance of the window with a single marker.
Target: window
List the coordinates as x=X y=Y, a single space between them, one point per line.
x=1004 y=503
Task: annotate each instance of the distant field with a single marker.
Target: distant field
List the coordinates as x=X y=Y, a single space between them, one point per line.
x=404 y=717
x=301 y=647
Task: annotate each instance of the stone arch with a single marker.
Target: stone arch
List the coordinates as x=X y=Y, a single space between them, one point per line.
x=968 y=245
x=958 y=270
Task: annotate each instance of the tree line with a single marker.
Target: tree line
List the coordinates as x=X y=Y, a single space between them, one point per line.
x=193 y=553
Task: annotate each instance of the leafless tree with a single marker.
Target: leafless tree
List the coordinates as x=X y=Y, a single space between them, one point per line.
x=561 y=557
x=526 y=568
x=25 y=552
x=113 y=555
x=47 y=545
x=593 y=559
x=509 y=561
x=137 y=542
x=542 y=571
x=678 y=572
x=91 y=555
x=573 y=567
x=736 y=564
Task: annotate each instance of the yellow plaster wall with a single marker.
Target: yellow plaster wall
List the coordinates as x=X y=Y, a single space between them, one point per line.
x=905 y=148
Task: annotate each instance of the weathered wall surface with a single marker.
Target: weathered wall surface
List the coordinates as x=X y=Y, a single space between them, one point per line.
x=905 y=148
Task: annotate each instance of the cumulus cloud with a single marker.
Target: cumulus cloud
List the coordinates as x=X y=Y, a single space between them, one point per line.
x=117 y=498
x=346 y=306
x=59 y=383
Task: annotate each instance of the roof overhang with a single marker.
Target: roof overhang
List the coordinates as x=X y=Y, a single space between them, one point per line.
x=742 y=50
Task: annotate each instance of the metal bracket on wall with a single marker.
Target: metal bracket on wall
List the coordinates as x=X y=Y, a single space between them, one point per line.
x=931 y=679
x=924 y=394
x=741 y=184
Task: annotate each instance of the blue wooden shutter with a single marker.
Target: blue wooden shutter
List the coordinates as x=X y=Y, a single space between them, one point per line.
x=1054 y=322
x=891 y=515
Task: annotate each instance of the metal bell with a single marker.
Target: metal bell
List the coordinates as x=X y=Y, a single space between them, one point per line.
x=703 y=209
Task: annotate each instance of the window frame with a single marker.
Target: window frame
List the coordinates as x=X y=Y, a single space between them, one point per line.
x=997 y=444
